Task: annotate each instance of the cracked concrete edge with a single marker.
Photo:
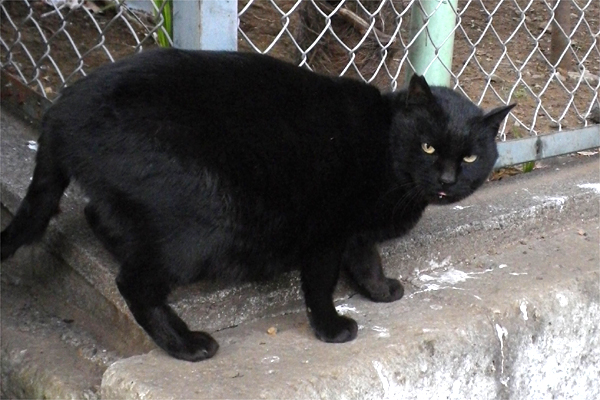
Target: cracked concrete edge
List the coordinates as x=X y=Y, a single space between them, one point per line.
x=61 y=290
x=44 y=355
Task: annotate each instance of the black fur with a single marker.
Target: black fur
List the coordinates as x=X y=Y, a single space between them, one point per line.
x=216 y=165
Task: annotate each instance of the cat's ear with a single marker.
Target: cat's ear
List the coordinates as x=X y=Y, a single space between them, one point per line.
x=418 y=91
x=493 y=118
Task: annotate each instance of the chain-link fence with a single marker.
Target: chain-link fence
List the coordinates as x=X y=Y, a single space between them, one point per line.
x=542 y=54
x=49 y=43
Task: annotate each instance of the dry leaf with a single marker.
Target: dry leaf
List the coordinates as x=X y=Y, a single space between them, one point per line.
x=587 y=153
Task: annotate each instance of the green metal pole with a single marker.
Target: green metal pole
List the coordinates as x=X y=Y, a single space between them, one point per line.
x=431 y=52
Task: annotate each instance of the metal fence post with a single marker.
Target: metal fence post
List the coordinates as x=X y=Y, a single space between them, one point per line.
x=205 y=24
x=431 y=52
x=560 y=54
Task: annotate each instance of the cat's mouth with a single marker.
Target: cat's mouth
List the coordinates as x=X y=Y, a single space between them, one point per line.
x=443 y=198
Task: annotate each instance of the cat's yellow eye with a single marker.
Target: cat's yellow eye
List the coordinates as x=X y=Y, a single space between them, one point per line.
x=470 y=159
x=427 y=148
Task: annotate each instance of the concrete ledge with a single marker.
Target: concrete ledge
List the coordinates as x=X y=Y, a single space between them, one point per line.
x=521 y=324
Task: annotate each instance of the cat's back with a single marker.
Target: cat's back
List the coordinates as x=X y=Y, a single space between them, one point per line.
x=172 y=94
x=174 y=80
x=222 y=109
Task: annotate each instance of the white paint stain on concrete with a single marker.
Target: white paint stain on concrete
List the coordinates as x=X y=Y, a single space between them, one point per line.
x=562 y=300
x=443 y=264
x=456 y=389
x=345 y=308
x=523 y=308
x=591 y=186
x=428 y=288
x=442 y=275
x=382 y=332
x=557 y=201
x=461 y=207
x=391 y=390
x=502 y=334
x=426 y=278
x=433 y=287
x=452 y=276
x=270 y=360
x=485 y=271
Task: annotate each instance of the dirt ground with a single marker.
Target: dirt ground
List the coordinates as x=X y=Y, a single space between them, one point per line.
x=519 y=70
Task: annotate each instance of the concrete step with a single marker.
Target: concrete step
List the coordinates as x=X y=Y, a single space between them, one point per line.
x=521 y=323
x=82 y=273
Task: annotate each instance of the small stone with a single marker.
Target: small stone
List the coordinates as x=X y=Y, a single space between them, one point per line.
x=496 y=78
x=554 y=125
x=272 y=331
x=594 y=115
x=592 y=79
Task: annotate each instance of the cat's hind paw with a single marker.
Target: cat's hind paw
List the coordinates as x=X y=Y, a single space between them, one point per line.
x=384 y=291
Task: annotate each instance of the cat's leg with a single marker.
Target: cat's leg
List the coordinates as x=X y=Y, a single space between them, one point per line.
x=146 y=296
x=108 y=235
x=145 y=285
x=362 y=261
x=319 y=279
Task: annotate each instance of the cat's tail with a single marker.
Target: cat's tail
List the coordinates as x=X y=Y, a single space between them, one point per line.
x=40 y=204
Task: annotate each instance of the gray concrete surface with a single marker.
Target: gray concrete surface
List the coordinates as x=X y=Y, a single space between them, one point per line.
x=503 y=326
x=502 y=302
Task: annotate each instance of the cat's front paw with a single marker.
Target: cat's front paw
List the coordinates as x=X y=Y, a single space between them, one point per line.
x=385 y=291
x=337 y=330
x=198 y=346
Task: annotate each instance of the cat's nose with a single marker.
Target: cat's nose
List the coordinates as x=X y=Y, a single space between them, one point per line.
x=448 y=178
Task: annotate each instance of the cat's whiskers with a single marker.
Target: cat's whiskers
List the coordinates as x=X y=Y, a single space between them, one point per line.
x=406 y=199
x=396 y=187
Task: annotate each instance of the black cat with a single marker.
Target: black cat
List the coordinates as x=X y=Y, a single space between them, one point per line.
x=217 y=165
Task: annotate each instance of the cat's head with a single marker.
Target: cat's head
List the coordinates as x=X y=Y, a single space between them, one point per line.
x=442 y=142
